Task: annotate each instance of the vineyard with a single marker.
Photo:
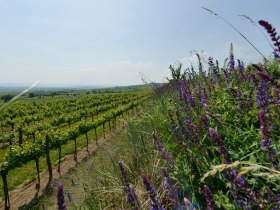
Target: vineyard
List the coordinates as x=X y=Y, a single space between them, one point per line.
x=36 y=132
x=197 y=127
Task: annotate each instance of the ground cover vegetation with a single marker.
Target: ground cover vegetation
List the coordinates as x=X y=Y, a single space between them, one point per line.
x=221 y=149
x=209 y=140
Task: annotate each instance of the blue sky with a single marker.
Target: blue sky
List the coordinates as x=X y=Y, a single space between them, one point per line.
x=90 y=42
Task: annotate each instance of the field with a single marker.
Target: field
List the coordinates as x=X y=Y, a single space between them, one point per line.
x=37 y=133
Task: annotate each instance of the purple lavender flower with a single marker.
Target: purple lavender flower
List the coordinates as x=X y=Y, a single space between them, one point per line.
x=266 y=142
x=231 y=58
x=194 y=133
x=163 y=152
x=215 y=118
x=182 y=90
x=204 y=122
x=239 y=182
x=226 y=75
x=169 y=185
x=188 y=204
x=268 y=78
x=220 y=143
x=181 y=129
x=174 y=127
x=204 y=97
x=155 y=205
x=130 y=195
x=240 y=67
x=273 y=34
x=190 y=99
x=263 y=94
x=238 y=99
x=60 y=198
x=209 y=198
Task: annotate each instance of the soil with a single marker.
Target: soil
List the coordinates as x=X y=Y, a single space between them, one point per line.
x=25 y=194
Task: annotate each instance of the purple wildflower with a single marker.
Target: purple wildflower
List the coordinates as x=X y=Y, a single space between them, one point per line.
x=155 y=205
x=188 y=204
x=204 y=97
x=209 y=198
x=215 y=118
x=240 y=67
x=190 y=99
x=238 y=99
x=268 y=78
x=266 y=142
x=226 y=75
x=231 y=58
x=194 y=133
x=263 y=94
x=60 y=198
x=273 y=34
x=130 y=195
x=174 y=127
x=169 y=185
x=236 y=182
x=249 y=98
x=182 y=90
x=165 y=155
x=220 y=143
x=204 y=122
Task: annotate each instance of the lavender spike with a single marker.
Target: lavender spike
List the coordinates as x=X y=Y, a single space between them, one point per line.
x=169 y=185
x=155 y=205
x=130 y=194
x=209 y=198
x=163 y=152
x=60 y=198
x=231 y=58
x=220 y=143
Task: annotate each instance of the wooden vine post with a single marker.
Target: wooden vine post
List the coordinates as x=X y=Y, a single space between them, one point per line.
x=103 y=126
x=59 y=159
x=38 y=171
x=48 y=158
x=20 y=137
x=6 y=190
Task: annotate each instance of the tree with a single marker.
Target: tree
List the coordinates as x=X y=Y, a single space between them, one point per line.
x=31 y=95
x=7 y=97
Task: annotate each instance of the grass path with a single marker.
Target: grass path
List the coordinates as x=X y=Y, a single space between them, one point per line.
x=80 y=182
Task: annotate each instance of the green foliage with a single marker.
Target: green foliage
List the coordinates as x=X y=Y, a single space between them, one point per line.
x=176 y=72
x=273 y=68
x=228 y=103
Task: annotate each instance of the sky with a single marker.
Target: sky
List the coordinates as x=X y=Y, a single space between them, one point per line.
x=89 y=42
